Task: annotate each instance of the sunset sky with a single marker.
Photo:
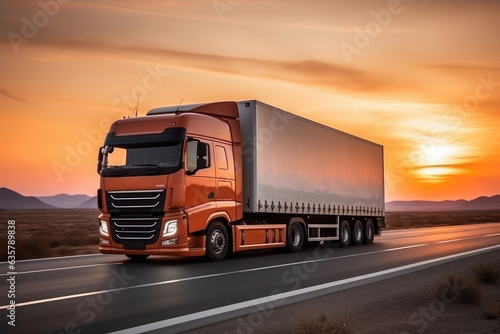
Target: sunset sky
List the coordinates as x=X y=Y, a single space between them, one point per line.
x=420 y=77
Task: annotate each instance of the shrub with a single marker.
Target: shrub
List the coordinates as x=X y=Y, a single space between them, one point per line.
x=485 y=273
x=468 y=291
x=491 y=313
x=322 y=326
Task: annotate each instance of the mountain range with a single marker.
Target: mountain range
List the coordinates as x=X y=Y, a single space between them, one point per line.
x=10 y=199
x=480 y=203
x=65 y=201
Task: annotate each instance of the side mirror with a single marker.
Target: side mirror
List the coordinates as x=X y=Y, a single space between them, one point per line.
x=99 y=160
x=197 y=156
x=108 y=149
x=102 y=159
x=202 y=156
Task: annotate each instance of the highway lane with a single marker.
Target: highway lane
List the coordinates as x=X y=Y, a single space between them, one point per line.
x=105 y=293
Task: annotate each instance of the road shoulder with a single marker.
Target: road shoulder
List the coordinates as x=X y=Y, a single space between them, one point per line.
x=405 y=304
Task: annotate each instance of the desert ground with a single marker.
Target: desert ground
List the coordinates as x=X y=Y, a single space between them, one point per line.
x=61 y=232
x=49 y=233
x=409 y=304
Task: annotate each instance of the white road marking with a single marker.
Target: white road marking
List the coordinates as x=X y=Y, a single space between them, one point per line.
x=404 y=247
x=462 y=239
x=446 y=241
x=262 y=268
x=179 y=280
x=63 y=268
x=252 y=304
x=252 y=269
x=54 y=258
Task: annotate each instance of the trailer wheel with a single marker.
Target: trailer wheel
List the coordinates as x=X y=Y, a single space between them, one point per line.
x=344 y=234
x=217 y=244
x=295 y=238
x=357 y=233
x=369 y=232
x=137 y=258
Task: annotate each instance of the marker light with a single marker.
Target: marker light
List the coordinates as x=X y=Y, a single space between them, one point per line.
x=170 y=242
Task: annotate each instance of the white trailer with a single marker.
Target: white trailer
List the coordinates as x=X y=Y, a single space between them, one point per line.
x=293 y=166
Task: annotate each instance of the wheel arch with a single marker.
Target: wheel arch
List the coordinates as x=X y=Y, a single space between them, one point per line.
x=223 y=217
x=302 y=222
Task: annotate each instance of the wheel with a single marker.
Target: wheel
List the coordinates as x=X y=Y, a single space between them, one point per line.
x=369 y=232
x=357 y=233
x=344 y=234
x=295 y=238
x=138 y=258
x=217 y=244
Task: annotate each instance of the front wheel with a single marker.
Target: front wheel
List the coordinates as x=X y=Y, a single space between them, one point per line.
x=295 y=238
x=217 y=244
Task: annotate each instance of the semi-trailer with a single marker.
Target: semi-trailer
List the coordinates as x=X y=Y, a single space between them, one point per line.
x=222 y=177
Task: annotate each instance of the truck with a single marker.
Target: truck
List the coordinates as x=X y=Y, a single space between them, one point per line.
x=214 y=179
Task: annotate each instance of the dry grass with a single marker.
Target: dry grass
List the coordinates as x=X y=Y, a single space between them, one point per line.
x=47 y=233
x=486 y=273
x=404 y=220
x=466 y=290
x=491 y=313
x=322 y=326
x=60 y=232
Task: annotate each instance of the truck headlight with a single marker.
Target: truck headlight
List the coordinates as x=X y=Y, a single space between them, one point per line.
x=170 y=228
x=103 y=228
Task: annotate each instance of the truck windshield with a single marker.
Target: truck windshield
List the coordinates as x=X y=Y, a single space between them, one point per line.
x=142 y=155
x=161 y=156
x=142 y=160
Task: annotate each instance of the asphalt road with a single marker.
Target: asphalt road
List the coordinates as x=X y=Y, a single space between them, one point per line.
x=108 y=293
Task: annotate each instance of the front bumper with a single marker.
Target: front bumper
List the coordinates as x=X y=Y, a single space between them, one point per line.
x=181 y=243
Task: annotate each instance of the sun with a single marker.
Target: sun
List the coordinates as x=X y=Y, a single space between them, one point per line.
x=437 y=162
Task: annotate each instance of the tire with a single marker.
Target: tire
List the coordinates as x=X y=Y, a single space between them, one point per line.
x=369 y=232
x=357 y=234
x=137 y=258
x=344 y=234
x=295 y=238
x=217 y=244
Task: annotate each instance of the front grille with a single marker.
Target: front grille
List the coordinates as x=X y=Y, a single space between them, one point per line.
x=136 y=201
x=135 y=216
x=135 y=231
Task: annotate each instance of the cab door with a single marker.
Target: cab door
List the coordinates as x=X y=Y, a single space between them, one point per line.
x=225 y=183
x=200 y=183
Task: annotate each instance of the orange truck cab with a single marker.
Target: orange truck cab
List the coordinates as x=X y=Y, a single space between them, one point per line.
x=178 y=182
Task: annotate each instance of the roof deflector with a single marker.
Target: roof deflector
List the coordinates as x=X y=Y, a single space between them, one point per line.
x=221 y=109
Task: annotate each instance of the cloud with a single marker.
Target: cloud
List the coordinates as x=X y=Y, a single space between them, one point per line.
x=307 y=72
x=7 y=94
x=455 y=66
